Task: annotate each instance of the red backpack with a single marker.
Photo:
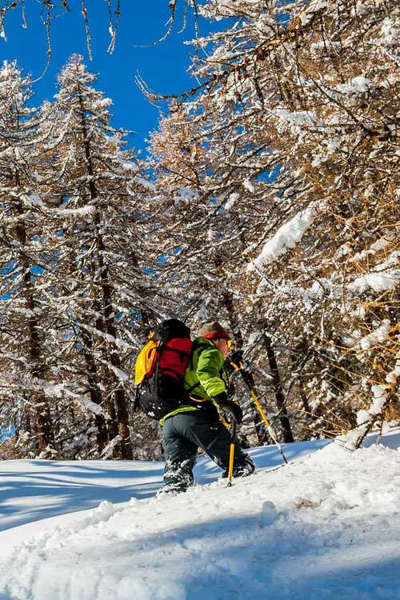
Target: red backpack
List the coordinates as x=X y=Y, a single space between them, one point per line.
x=160 y=369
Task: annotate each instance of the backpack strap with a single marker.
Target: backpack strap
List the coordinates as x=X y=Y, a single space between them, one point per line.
x=196 y=346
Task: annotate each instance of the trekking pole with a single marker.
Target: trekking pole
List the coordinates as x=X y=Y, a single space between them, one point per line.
x=232 y=451
x=245 y=377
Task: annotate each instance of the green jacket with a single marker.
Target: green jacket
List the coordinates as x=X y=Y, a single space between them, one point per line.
x=205 y=376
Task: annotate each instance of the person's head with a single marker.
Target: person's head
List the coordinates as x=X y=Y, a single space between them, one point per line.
x=216 y=333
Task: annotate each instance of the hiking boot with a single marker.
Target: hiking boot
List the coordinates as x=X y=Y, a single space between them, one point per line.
x=244 y=469
x=178 y=476
x=169 y=490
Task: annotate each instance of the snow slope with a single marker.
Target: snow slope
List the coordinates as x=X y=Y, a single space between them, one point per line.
x=324 y=527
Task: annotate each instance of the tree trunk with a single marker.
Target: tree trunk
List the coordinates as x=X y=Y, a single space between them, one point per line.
x=277 y=385
x=261 y=432
x=106 y=323
x=38 y=399
x=232 y=317
x=102 y=436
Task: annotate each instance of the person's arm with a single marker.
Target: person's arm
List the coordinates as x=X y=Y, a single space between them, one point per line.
x=208 y=371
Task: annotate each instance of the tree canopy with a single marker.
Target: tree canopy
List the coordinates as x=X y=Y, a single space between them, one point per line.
x=269 y=200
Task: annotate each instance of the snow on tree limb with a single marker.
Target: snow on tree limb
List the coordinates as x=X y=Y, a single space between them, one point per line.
x=287 y=236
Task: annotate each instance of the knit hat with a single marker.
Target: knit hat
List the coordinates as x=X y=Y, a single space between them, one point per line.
x=213 y=330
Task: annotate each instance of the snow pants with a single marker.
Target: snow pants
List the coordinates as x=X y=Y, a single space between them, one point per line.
x=184 y=434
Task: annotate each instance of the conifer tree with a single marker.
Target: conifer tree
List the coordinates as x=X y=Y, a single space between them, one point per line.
x=294 y=121
x=23 y=320
x=93 y=185
x=202 y=236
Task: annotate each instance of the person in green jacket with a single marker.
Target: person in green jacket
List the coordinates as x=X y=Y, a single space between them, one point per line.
x=196 y=424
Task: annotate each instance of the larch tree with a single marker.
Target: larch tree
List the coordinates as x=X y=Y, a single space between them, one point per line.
x=228 y=143
x=95 y=189
x=23 y=320
x=332 y=261
x=295 y=119
x=203 y=235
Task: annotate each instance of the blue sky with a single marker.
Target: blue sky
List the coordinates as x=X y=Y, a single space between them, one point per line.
x=163 y=66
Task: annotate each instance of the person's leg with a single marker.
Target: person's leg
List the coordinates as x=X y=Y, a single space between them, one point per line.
x=206 y=431
x=180 y=457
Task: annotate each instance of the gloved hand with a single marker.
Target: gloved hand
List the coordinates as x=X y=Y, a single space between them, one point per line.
x=229 y=406
x=234 y=357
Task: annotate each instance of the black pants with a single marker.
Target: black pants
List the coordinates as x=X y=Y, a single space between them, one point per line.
x=184 y=434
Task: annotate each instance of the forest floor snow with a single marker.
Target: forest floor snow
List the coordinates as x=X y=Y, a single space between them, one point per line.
x=324 y=527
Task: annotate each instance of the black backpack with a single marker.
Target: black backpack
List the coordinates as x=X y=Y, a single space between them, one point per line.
x=160 y=389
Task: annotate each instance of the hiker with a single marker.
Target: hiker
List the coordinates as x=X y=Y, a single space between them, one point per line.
x=196 y=423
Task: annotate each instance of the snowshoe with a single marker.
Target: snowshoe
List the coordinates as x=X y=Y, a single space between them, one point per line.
x=244 y=469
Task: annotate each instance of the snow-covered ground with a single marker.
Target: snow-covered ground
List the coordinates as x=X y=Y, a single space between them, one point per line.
x=324 y=527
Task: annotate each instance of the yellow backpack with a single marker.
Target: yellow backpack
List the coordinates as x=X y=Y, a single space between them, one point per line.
x=145 y=361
